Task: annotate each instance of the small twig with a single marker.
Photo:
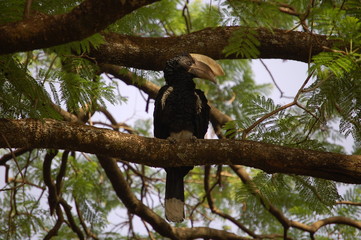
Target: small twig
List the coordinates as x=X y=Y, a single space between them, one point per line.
x=36 y=204
x=349 y=203
x=73 y=226
x=186 y=16
x=82 y=222
x=215 y=210
x=306 y=110
x=264 y=117
x=293 y=103
x=23 y=182
x=61 y=174
x=54 y=231
x=165 y=27
x=13 y=156
x=273 y=79
x=27 y=8
x=310 y=89
x=150 y=234
x=49 y=69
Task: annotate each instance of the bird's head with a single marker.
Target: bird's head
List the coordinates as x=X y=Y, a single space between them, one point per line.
x=188 y=66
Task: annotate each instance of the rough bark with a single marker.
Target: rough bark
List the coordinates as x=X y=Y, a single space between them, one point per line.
x=42 y=31
x=31 y=133
x=151 y=53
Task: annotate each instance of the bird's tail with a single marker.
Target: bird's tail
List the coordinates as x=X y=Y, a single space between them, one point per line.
x=174 y=193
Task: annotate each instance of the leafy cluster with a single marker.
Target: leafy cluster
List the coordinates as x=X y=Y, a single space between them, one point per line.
x=337 y=87
x=308 y=120
x=28 y=213
x=14 y=10
x=33 y=83
x=22 y=95
x=318 y=197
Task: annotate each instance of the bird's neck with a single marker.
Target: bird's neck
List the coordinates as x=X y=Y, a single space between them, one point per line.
x=185 y=83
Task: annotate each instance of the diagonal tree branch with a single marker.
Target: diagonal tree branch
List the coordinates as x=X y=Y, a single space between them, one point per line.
x=42 y=31
x=287 y=223
x=154 y=152
x=131 y=79
x=215 y=210
x=135 y=206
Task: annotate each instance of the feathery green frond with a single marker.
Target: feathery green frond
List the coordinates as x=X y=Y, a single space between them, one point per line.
x=243 y=43
x=337 y=62
x=79 y=47
x=22 y=96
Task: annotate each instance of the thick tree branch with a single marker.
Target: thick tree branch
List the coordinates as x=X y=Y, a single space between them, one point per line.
x=152 y=53
x=42 y=31
x=161 y=153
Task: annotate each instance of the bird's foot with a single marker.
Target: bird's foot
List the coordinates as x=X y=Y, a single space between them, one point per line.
x=181 y=136
x=172 y=140
x=193 y=138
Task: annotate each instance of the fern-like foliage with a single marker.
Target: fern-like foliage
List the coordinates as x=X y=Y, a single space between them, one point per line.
x=63 y=78
x=203 y=15
x=351 y=194
x=152 y=20
x=353 y=8
x=339 y=92
x=258 y=14
x=314 y=195
x=243 y=43
x=300 y=198
x=79 y=47
x=255 y=108
x=22 y=95
x=338 y=75
x=336 y=62
x=80 y=86
x=13 y=10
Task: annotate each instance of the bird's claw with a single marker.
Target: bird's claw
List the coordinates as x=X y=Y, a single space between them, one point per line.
x=172 y=140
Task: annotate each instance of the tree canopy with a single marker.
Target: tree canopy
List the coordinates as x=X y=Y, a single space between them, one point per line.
x=270 y=171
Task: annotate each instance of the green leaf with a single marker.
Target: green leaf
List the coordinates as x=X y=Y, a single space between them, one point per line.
x=243 y=43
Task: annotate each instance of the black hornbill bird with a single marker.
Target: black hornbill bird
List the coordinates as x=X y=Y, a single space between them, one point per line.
x=181 y=112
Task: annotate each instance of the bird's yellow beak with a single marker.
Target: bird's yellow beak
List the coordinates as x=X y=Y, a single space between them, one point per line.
x=205 y=67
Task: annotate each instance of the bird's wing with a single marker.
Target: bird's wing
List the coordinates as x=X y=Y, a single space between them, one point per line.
x=160 y=130
x=202 y=116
